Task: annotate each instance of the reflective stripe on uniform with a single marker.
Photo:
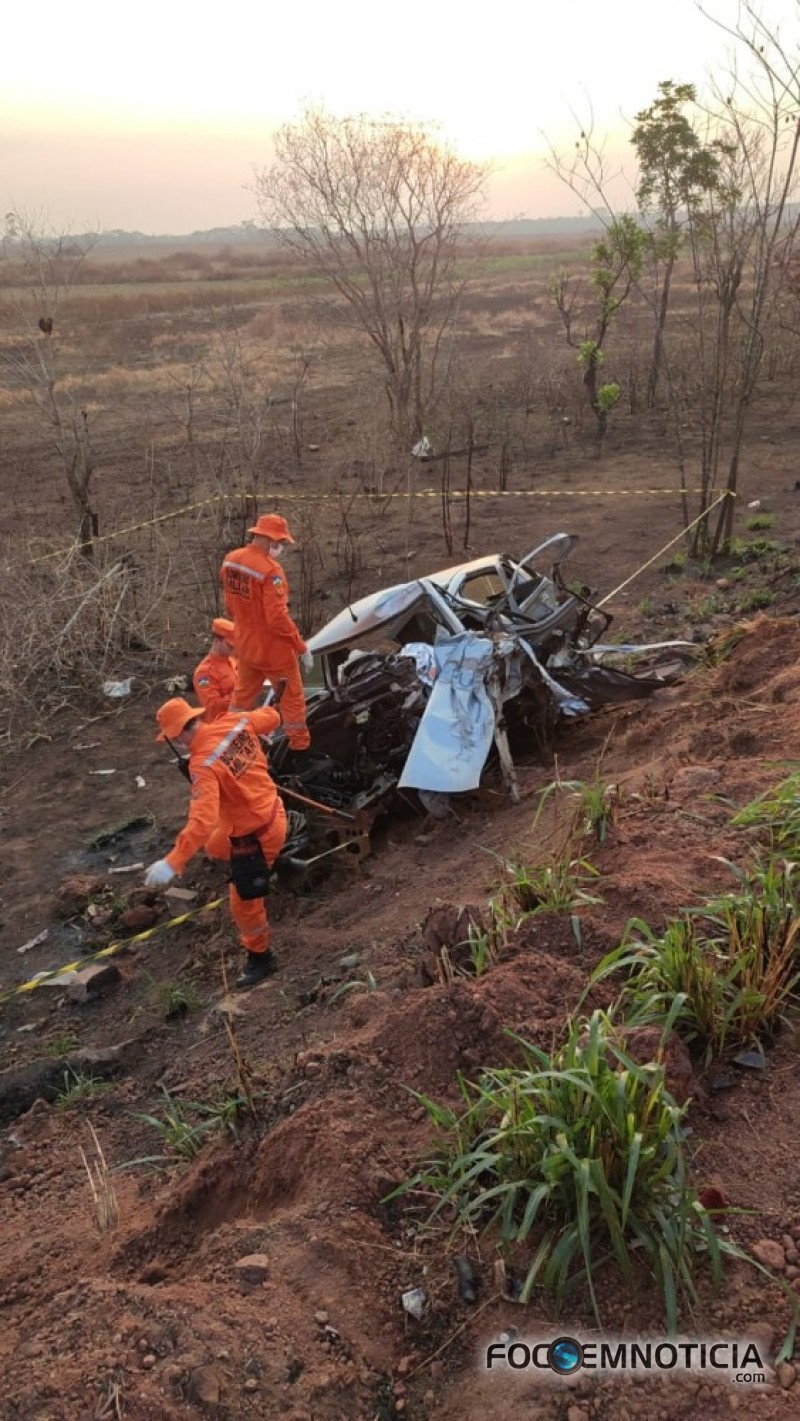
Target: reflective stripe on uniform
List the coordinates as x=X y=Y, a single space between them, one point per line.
x=223 y=744
x=241 y=567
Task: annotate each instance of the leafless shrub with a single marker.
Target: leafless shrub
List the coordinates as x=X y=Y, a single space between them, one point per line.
x=67 y=624
x=311 y=561
x=349 y=559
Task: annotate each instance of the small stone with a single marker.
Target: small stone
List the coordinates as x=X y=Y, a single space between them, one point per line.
x=203 y=1386
x=770 y=1253
x=404 y=1366
x=400 y=1405
x=74 y=892
x=138 y=918
x=792 y=1272
x=253 y=1268
x=577 y=1413
x=144 y=1345
x=251 y=1384
x=91 y=981
x=792 y=1255
x=321 y=1317
x=149 y=1360
x=787 y=1375
x=763 y=1334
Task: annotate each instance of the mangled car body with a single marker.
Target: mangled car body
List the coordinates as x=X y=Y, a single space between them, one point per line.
x=424 y=681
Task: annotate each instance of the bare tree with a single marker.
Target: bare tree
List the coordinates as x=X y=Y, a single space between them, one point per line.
x=739 y=228
x=743 y=238
x=380 y=210
x=43 y=264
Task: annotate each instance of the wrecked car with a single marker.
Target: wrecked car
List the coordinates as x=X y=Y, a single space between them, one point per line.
x=427 y=681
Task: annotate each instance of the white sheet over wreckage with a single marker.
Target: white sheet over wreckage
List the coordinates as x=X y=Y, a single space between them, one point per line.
x=456 y=731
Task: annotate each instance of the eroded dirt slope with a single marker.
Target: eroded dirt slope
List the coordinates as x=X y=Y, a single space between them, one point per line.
x=160 y=1317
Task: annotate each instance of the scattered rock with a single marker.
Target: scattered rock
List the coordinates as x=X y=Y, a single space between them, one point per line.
x=763 y=1334
x=149 y=1360
x=414 y=1302
x=73 y=894
x=136 y=919
x=251 y=1384
x=577 y=1413
x=787 y=1375
x=322 y=1317
x=254 y=1268
x=92 y=981
x=203 y=1386
x=770 y=1253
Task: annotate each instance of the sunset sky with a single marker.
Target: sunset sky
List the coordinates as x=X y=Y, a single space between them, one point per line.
x=152 y=116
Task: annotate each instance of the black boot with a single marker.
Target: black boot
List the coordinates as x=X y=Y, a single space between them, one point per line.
x=259 y=965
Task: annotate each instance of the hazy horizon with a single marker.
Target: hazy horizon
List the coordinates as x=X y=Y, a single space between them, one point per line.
x=157 y=126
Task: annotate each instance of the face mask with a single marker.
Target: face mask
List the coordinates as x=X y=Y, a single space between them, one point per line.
x=276 y=549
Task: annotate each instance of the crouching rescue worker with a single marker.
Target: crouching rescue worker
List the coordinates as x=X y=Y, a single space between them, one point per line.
x=215 y=677
x=233 y=798
x=268 y=643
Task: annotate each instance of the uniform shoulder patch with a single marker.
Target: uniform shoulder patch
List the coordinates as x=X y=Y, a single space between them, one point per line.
x=277 y=581
x=204 y=680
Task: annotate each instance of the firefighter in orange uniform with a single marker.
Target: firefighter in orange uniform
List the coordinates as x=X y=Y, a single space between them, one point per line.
x=233 y=793
x=215 y=677
x=268 y=644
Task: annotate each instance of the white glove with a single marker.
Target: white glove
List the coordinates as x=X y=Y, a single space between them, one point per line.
x=306 y=660
x=159 y=875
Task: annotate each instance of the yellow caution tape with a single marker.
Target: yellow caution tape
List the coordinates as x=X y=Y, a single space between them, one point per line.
x=136 y=527
x=113 y=947
x=450 y=495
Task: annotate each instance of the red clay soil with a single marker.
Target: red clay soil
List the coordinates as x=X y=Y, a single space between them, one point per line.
x=155 y=1319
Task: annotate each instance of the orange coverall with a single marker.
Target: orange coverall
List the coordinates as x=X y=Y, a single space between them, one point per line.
x=267 y=640
x=233 y=793
x=213 y=682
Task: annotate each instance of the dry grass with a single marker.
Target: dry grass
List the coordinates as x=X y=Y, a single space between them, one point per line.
x=105 y=1208
x=68 y=624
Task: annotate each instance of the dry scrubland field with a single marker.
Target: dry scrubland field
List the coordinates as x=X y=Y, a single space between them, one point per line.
x=205 y=372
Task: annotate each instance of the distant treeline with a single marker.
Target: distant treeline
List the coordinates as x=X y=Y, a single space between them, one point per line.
x=248 y=232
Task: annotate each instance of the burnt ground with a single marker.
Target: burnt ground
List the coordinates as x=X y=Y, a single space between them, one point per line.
x=154 y=1314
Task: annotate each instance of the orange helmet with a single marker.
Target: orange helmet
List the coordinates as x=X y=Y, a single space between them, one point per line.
x=222 y=627
x=174 y=716
x=272 y=526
